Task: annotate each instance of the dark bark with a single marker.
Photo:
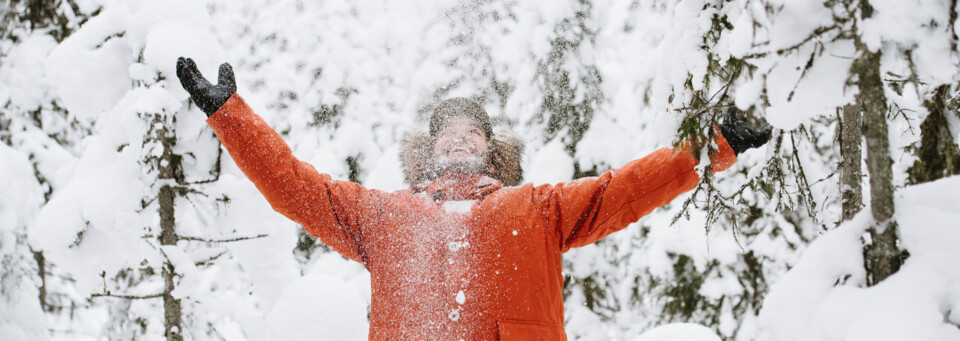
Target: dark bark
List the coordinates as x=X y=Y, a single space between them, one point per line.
x=168 y=236
x=850 y=173
x=42 y=271
x=882 y=256
x=938 y=155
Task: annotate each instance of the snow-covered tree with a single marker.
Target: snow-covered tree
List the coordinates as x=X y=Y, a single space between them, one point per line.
x=811 y=59
x=39 y=142
x=140 y=220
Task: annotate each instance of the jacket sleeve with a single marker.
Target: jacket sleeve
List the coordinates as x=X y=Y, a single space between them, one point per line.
x=329 y=210
x=586 y=210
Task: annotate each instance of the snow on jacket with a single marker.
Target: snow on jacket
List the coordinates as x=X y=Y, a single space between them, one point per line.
x=462 y=257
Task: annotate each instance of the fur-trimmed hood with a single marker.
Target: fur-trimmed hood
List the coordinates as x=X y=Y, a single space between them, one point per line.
x=505 y=152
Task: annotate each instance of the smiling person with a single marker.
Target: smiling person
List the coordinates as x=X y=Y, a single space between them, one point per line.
x=467 y=252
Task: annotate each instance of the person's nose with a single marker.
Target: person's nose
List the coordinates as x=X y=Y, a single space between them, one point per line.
x=460 y=135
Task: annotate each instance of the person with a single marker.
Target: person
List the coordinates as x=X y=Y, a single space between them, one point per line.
x=467 y=252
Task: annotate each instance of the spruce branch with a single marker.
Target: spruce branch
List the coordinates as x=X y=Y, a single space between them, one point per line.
x=211 y=259
x=801 y=179
x=818 y=32
x=215 y=172
x=225 y=240
x=210 y=240
x=127 y=297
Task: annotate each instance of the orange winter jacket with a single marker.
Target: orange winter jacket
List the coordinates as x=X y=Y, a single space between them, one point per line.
x=463 y=257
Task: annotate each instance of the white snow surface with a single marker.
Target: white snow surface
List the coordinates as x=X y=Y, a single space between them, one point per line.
x=679 y=332
x=317 y=307
x=919 y=302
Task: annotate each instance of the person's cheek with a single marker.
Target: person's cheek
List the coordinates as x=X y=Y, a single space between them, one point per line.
x=440 y=145
x=481 y=145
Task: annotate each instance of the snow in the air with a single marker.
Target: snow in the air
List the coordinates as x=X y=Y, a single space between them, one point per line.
x=79 y=185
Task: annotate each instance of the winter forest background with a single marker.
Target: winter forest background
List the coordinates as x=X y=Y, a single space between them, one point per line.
x=121 y=218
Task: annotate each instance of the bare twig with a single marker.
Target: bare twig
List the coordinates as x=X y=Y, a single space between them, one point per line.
x=813 y=56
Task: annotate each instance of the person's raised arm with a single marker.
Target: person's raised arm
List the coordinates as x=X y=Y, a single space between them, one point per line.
x=586 y=210
x=333 y=211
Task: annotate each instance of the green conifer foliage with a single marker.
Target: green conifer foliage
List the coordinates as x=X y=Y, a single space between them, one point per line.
x=938 y=154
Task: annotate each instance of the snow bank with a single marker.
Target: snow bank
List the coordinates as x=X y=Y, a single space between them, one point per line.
x=318 y=307
x=823 y=298
x=679 y=332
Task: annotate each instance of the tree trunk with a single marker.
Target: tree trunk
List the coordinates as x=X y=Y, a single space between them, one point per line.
x=882 y=257
x=168 y=236
x=850 y=159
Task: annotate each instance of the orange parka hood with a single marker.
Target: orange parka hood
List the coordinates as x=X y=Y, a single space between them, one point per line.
x=462 y=256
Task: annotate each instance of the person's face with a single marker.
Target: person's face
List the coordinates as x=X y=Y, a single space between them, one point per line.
x=460 y=138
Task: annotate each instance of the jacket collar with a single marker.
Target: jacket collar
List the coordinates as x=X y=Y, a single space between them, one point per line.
x=459 y=187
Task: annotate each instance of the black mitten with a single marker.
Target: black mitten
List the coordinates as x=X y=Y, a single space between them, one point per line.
x=741 y=134
x=207 y=96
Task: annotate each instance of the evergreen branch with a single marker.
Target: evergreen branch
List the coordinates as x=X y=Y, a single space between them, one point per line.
x=228 y=240
x=813 y=35
x=127 y=297
x=686 y=206
x=210 y=260
x=208 y=240
x=216 y=166
x=903 y=112
x=806 y=67
x=184 y=190
x=801 y=178
x=726 y=87
x=704 y=109
x=145 y=203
